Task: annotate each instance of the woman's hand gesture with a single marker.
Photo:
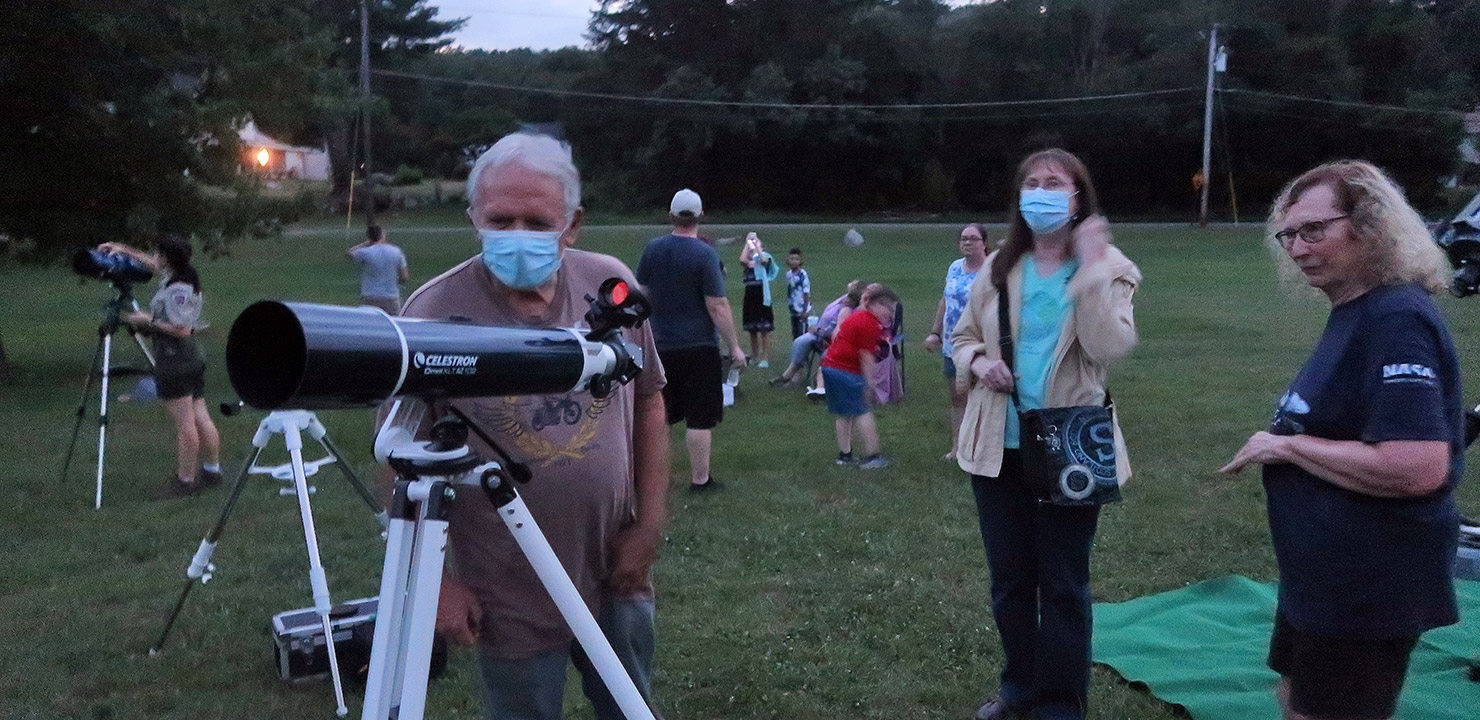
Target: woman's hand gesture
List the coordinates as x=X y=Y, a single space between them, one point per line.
x=1091 y=237
x=992 y=374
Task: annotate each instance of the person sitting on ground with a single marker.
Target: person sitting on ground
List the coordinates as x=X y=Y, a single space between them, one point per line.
x=848 y=366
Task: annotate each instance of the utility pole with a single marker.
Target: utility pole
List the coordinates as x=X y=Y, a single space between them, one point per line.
x=1207 y=158
x=365 y=114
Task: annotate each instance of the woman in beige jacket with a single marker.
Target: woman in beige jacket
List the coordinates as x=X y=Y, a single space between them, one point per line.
x=1069 y=293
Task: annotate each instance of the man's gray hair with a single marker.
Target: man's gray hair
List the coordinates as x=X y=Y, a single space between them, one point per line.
x=540 y=153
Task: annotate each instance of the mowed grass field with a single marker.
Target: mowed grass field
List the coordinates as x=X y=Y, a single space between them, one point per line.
x=800 y=591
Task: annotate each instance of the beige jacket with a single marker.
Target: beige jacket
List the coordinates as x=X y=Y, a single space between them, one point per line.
x=1099 y=329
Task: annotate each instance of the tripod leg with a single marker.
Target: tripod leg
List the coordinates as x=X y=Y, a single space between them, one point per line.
x=568 y=600
x=140 y=340
x=383 y=683
x=407 y=658
x=317 y=579
x=319 y=433
x=103 y=417
x=200 y=565
x=82 y=406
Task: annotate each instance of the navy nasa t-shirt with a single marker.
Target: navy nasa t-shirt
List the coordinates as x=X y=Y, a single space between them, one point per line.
x=1353 y=564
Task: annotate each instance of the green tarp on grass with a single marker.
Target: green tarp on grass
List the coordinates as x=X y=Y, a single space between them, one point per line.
x=1203 y=648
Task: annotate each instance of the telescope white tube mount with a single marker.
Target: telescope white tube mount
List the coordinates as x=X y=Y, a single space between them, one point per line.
x=596 y=359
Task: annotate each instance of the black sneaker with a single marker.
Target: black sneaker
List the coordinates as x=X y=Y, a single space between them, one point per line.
x=998 y=709
x=207 y=478
x=706 y=486
x=845 y=458
x=177 y=488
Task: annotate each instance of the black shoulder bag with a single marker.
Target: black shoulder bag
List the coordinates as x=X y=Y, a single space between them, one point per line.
x=1068 y=453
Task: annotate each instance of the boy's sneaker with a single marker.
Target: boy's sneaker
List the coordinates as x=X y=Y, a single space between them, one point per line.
x=207 y=478
x=845 y=458
x=874 y=462
x=816 y=393
x=177 y=488
x=763 y=364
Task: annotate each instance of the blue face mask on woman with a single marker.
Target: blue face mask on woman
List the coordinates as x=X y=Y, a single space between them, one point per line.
x=1045 y=210
x=521 y=259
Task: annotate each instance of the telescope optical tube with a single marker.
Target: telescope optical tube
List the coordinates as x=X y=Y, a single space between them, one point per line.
x=324 y=357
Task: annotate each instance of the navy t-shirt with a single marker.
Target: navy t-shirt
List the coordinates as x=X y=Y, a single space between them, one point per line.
x=1352 y=564
x=678 y=273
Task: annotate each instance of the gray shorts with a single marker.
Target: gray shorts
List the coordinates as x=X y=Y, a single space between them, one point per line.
x=391 y=305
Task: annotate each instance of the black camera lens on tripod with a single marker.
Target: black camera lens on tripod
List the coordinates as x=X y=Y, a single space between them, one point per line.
x=116 y=268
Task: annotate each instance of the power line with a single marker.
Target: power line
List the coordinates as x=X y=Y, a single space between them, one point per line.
x=707 y=115
x=1456 y=114
x=775 y=106
x=739 y=104
x=1327 y=120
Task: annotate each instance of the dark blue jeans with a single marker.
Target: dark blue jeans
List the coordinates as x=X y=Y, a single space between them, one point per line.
x=534 y=689
x=1038 y=554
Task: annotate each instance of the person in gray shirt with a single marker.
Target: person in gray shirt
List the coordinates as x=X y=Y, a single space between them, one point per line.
x=384 y=270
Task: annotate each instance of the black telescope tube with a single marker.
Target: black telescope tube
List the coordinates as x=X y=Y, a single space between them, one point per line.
x=325 y=357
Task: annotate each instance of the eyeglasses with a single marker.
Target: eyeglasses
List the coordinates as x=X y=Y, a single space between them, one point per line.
x=972 y=238
x=1311 y=232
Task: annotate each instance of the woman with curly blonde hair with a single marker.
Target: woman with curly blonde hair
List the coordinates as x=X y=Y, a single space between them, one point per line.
x=1365 y=449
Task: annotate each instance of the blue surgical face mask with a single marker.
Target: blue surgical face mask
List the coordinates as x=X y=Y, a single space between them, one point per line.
x=521 y=259
x=1045 y=210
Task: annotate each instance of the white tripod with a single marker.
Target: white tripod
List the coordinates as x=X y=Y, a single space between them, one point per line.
x=290 y=424
x=102 y=366
x=411 y=580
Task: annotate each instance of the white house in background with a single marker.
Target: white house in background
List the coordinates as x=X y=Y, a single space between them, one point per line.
x=266 y=156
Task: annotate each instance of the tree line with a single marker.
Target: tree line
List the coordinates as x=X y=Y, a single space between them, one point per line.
x=122 y=114
x=795 y=61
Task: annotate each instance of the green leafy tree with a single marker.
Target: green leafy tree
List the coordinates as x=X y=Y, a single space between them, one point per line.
x=400 y=31
x=121 y=117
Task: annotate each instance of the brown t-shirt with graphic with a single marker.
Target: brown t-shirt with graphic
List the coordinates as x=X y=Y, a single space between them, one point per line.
x=578 y=449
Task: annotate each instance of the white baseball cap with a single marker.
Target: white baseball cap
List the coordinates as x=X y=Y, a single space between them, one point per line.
x=686 y=202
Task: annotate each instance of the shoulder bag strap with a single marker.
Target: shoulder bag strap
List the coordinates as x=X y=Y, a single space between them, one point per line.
x=1004 y=340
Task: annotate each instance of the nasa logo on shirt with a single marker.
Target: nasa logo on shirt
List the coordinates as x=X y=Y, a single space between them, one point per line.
x=1290 y=406
x=1408 y=373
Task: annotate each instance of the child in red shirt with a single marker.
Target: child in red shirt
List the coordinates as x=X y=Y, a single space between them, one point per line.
x=847 y=369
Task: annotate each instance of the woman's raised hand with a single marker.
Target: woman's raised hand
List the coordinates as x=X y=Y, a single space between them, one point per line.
x=1091 y=237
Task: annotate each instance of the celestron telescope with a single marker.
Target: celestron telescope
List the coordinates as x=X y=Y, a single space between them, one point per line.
x=319 y=357
x=122 y=272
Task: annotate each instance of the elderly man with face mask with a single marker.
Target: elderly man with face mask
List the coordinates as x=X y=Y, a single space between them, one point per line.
x=600 y=466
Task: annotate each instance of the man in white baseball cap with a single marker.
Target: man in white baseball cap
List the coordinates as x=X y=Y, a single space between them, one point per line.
x=682 y=277
x=686 y=204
